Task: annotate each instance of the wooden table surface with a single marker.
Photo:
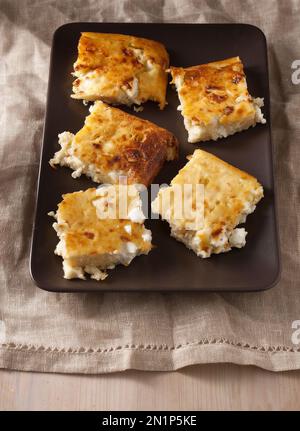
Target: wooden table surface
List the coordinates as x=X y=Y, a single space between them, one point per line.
x=207 y=387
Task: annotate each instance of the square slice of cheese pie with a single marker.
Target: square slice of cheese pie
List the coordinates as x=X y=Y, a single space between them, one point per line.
x=112 y=144
x=120 y=69
x=214 y=99
x=229 y=196
x=95 y=235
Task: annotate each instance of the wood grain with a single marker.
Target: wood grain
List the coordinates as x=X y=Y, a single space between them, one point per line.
x=209 y=387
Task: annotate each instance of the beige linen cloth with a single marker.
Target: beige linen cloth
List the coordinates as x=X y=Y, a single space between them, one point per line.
x=95 y=332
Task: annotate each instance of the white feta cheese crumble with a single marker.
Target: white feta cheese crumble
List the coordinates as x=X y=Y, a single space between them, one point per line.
x=238 y=237
x=147 y=236
x=136 y=215
x=128 y=229
x=131 y=247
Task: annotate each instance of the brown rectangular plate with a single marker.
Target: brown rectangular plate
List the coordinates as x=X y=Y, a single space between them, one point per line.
x=170 y=266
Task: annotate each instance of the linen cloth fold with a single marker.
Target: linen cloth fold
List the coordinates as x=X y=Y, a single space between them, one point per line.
x=105 y=332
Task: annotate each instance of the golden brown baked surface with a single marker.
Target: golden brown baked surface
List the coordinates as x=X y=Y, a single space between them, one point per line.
x=87 y=235
x=99 y=229
x=120 y=69
x=215 y=97
x=229 y=195
x=227 y=188
x=113 y=143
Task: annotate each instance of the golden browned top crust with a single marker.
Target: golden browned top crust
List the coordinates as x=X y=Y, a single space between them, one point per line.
x=113 y=140
x=217 y=89
x=85 y=234
x=229 y=194
x=108 y=64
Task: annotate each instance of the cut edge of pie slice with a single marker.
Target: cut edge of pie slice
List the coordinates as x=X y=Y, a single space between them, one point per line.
x=94 y=236
x=120 y=69
x=113 y=144
x=214 y=99
x=229 y=196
